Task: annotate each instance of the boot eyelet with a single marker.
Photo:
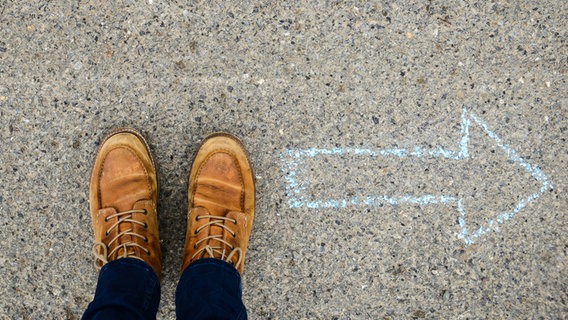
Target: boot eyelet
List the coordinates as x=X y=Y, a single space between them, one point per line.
x=106 y=219
x=145 y=225
x=148 y=252
x=145 y=212
x=234 y=235
x=196 y=218
x=145 y=239
x=195 y=246
x=107 y=233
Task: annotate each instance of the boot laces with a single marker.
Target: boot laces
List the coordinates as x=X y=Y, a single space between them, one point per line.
x=100 y=250
x=225 y=250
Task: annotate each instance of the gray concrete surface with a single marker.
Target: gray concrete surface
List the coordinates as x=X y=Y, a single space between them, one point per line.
x=288 y=76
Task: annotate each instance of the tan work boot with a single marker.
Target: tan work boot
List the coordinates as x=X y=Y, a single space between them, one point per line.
x=221 y=202
x=123 y=195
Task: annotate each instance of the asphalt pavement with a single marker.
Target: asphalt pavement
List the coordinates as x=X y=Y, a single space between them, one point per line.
x=410 y=156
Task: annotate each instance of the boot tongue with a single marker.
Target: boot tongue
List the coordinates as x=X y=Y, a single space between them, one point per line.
x=122 y=201
x=124 y=226
x=129 y=227
x=217 y=231
x=218 y=247
x=117 y=244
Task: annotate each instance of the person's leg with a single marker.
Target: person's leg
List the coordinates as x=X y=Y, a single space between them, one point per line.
x=127 y=289
x=123 y=194
x=221 y=200
x=210 y=289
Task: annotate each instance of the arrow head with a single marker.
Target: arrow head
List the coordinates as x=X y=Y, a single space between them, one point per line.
x=497 y=172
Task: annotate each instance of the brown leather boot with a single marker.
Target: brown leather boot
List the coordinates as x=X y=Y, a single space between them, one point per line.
x=221 y=202
x=123 y=195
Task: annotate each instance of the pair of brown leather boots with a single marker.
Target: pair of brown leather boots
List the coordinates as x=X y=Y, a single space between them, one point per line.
x=124 y=192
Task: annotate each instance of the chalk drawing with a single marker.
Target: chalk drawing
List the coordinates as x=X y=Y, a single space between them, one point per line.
x=293 y=161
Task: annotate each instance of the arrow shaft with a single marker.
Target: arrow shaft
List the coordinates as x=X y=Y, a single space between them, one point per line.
x=374 y=201
x=343 y=179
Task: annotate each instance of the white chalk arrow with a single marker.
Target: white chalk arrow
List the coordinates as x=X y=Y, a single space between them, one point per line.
x=297 y=188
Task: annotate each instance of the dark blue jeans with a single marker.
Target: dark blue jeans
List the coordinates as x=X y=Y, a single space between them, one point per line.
x=129 y=289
